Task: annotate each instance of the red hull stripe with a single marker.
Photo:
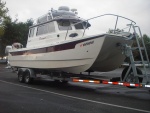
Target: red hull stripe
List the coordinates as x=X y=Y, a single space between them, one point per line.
x=65 y=46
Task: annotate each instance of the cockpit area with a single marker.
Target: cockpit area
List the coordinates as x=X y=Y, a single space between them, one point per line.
x=57 y=25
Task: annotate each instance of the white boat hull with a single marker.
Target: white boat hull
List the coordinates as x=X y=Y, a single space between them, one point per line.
x=74 y=57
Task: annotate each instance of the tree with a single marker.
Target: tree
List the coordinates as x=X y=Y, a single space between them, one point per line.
x=16 y=32
x=147 y=45
x=3 y=17
x=11 y=31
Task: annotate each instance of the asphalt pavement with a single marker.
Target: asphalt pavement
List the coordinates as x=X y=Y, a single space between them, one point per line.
x=44 y=96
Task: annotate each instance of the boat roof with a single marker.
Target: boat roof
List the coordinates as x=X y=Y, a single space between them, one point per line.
x=63 y=13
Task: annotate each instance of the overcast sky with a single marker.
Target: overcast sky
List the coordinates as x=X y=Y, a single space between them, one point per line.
x=137 y=10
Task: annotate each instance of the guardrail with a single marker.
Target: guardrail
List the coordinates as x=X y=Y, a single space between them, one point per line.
x=115 y=27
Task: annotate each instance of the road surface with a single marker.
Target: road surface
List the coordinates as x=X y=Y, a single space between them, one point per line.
x=49 y=97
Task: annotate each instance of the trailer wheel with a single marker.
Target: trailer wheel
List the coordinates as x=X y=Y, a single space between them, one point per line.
x=20 y=75
x=27 y=77
x=131 y=78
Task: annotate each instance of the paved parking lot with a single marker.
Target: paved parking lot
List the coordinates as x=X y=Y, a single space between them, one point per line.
x=49 y=97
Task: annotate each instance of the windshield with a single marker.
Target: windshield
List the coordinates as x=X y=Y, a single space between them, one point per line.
x=64 y=25
x=81 y=25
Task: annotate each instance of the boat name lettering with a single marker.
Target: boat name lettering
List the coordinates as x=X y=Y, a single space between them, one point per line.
x=87 y=43
x=41 y=38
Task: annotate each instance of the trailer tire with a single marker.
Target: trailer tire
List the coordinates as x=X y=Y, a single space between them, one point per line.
x=139 y=72
x=21 y=76
x=27 y=77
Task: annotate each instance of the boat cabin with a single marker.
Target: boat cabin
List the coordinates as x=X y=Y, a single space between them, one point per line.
x=56 y=26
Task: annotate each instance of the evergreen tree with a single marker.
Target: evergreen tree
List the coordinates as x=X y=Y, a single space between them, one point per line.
x=3 y=19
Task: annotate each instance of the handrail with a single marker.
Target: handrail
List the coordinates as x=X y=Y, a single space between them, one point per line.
x=104 y=15
x=132 y=22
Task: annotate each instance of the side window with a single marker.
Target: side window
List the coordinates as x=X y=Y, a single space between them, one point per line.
x=49 y=17
x=64 y=25
x=31 y=32
x=45 y=28
x=79 y=26
x=51 y=27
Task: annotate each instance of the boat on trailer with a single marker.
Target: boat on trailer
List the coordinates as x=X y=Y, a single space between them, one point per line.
x=59 y=41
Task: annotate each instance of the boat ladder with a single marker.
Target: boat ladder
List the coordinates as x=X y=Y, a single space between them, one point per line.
x=133 y=74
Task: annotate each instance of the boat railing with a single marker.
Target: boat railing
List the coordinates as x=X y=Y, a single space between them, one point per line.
x=115 y=30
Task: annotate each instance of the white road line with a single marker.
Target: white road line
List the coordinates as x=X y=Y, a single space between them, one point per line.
x=92 y=101
x=5 y=71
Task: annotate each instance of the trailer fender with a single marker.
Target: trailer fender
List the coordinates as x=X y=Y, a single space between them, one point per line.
x=32 y=73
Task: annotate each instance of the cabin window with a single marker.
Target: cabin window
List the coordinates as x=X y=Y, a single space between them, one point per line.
x=46 y=28
x=31 y=32
x=79 y=26
x=49 y=17
x=64 y=25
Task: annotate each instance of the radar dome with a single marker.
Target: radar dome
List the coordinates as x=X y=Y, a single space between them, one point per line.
x=64 y=8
